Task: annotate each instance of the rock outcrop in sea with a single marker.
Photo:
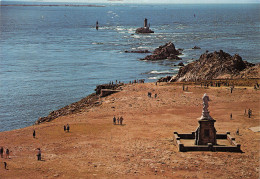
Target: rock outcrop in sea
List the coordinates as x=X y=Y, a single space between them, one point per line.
x=166 y=51
x=216 y=65
x=144 y=30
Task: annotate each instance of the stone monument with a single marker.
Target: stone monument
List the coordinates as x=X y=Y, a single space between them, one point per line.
x=206 y=132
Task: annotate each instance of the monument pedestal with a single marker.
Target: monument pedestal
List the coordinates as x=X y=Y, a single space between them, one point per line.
x=206 y=132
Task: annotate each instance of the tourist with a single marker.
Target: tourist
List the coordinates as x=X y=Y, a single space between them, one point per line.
x=64 y=127
x=118 y=120
x=237 y=132
x=114 y=120
x=5 y=165
x=39 y=154
x=33 y=133
x=231 y=116
x=7 y=153
x=121 y=120
x=68 y=128
x=1 y=152
x=249 y=113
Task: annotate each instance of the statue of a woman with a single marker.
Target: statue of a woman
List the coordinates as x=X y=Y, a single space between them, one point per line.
x=205 y=99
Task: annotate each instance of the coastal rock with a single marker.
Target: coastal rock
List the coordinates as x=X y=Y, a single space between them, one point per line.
x=164 y=79
x=196 y=47
x=143 y=30
x=216 y=65
x=166 y=51
x=180 y=64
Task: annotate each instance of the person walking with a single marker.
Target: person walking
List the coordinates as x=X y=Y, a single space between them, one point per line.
x=64 y=127
x=34 y=133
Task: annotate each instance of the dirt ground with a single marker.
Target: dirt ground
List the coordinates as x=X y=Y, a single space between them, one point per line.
x=143 y=146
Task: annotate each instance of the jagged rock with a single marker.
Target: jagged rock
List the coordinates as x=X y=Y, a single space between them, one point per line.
x=216 y=65
x=166 y=51
x=196 y=47
x=138 y=51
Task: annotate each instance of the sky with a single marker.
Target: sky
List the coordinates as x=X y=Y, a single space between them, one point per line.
x=148 y=1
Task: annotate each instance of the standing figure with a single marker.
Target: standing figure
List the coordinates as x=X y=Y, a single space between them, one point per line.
x=237 y=132
x=5 y=165
x=64 y=127
x=121 y=120
x=34 y=133
x=1 y=152
x=39 y=154
x=231 y=116
x=114 y=120
x=7 y=153
x=118 y=120
x=68 y=128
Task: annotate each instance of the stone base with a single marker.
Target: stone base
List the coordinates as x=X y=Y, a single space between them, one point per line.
x=206 y=133
x=232 y=147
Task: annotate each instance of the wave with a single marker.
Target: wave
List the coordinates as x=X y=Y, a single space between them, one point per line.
x=160 y=72
x=154 y=78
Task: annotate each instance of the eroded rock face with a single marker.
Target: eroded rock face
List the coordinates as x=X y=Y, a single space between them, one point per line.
x=166 y=51
x=216 y=65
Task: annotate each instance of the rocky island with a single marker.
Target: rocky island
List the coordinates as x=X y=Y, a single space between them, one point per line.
x=163 y=52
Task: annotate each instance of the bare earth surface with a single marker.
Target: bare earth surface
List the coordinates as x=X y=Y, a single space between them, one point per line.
x=143 y=147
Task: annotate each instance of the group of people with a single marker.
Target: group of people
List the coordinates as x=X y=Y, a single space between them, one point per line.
x=119 y=120
x=7 y=153
x=66 y=128
x=149 y=94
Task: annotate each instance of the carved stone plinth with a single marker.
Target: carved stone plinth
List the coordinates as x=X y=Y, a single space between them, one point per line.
x=206 y=132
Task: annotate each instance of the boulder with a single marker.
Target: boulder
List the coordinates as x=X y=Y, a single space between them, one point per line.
x=166 y=51
x=216 y=65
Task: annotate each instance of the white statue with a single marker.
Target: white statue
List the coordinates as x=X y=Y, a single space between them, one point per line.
x=205 y=99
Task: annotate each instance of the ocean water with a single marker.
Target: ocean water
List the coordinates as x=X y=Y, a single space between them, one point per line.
x=53 y=56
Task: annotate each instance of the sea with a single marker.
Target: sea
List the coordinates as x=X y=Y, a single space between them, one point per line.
x=51 y=56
